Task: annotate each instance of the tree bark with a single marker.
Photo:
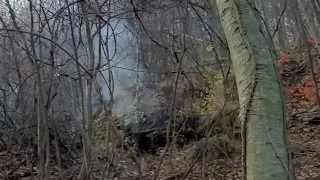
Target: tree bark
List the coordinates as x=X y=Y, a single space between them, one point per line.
x=265 y=148
x=281 y=28
x=43 y=132
x=316 y=10
x=308 y=14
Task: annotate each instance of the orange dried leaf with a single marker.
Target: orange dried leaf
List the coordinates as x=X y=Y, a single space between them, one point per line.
x=284 y=58
x=311 y=41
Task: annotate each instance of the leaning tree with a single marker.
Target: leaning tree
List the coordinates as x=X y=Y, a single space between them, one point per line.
x=265 y=146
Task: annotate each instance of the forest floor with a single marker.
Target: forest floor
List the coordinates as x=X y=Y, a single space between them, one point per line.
x=303 y=118
x=304 y=138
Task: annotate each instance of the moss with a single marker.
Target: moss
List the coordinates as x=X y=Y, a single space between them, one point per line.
x=216 y=92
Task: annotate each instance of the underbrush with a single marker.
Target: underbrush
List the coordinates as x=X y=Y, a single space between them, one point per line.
x=212 y=121
x=218 y=108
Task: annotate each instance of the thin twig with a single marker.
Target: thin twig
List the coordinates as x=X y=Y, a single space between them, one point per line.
x=279 y=20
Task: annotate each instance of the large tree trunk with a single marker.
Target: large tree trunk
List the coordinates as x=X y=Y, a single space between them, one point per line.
x=265 y=151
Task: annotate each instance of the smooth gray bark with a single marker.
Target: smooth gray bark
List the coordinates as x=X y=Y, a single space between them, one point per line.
x=265 y=147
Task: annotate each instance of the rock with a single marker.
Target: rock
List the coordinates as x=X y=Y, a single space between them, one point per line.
x=149 y=133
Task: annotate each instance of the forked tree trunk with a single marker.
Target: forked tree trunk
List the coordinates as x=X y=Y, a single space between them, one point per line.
x=265 y=151
x=84 y=172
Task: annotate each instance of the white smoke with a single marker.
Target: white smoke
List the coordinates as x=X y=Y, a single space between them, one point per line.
x=122 y=46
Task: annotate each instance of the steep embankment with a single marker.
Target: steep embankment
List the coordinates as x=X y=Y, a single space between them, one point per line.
x=221 y=161
x=302 y=108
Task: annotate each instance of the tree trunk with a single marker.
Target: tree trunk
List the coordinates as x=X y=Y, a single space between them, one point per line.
x=308 y=14
x=316 y=10
x=265 y=148
x=43 y=136
x=89 y=119
x=281 y=26
x=84 y=172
